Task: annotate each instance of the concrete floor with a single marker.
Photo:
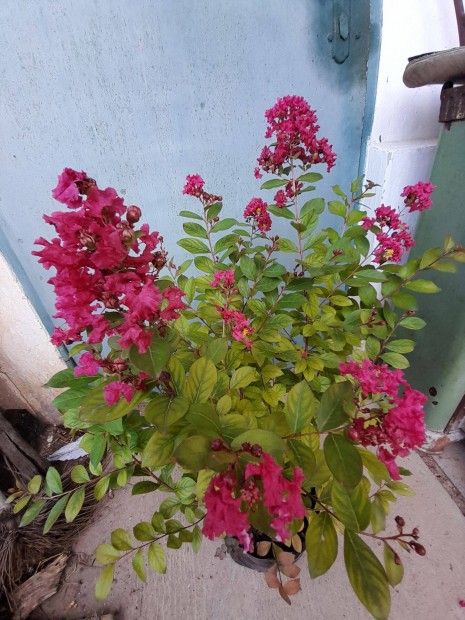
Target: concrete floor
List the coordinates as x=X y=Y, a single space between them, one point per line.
x=202 y=587
x=452 y=462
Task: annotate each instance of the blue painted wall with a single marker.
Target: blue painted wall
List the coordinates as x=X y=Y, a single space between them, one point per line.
x=141 y=93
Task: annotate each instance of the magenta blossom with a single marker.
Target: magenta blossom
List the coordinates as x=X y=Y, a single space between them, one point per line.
x=418 y=196
x=115 y=390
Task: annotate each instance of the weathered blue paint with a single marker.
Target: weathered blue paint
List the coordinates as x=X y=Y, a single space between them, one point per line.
x=140 y=94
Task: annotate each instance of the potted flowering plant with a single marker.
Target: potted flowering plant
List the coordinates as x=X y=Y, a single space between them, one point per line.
x=259 y=384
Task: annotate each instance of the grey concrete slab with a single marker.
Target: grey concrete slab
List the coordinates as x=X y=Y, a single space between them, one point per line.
x=202 y=587
x=452 y=462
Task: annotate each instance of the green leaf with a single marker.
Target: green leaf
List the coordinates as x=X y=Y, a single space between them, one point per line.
x=225 y=224
x=66 y=378
x=158 y=450
x=343 y=460
x=104 y=583
x=377 y=470
x=394 y=571
x=169 y=507
x=217 y=349
x=54 y=513
x=353 y=508
x=337 y=208
x=281 y=212
x=164 y=411
x=304 y=457
x=214 y=210
x=321 y=543
x=190 y=214
x=74 y=504
x=144 y=486
x=21 y=503
x=422 y=286
x=300 y=407
x=371 y=274
x=367 y=576
x=195 y=230
x=194 y=246
x=71 y=399
x=205 y=419
x=32 y=512
x=53 y=480
x=331 y=414
x=243 y=377
x=404 y=301
x=429 y=257
x=101 y=487
x=269 y=441
x=193 y=452
x=144 y=531
x=412 y=322
x=372 y=347
x=315 y=205
x=248 y=267
x=310 y=177
x=275 y=271
x=157 y=557
x=400 y=346
x=285 y=245
x=155 y=359
x=138 y=565
x=225 y=242
x=121 y=540
x=400 y=488
x=79 y=474
x=201 y=381
x=95 y=408
x=197 y=538
x=35 y=483
x=396 y=360
x=106 y=554
x=185 y=489
x=272 y=183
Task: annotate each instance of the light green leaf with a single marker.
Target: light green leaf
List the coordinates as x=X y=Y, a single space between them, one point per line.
x=121 y=540
x=164 y=411
x=396 y=360
x=158 y=450
x=243 y=377
x=201 y=380
x=104 y=583
x=300 y=407
x=394 y=570
x=138 y=565
x=422 y=286
x=106 y=554
x=193 y=452
x=269 y=441
x=185 y=489
x=310 y=177
x=343 y=460
x=217 y=349
x=412 y=322
x=195 y=230
x=157 y=557
x=101 y=487
x=367 y=576
x=272 y=183
x=351 y=507
x=79 y=474
x=248 y=267
x=35 y=483
x=74 y=504
x=401 y=346
x=321 y=543
x=194 y=246
x=53 y=480
x=155 y=359
x=225 y=224
x=429 y=257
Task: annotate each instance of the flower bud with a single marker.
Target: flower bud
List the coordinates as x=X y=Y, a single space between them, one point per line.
x=119 y=364
x=217 y=445
x=246 y=446
x=418 y=548
x=400 y=521
x=353 y=434
x=415 y=533
x=133 y=214
x=256 y=450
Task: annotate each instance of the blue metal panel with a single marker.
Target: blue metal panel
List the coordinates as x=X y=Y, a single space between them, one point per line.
x=140 y=94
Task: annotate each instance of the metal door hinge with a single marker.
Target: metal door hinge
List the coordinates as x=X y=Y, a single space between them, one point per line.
x=340 y=37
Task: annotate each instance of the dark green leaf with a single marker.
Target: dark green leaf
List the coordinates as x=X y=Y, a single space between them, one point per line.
x=321 y=543
x=343 y=460
x=71 y=399
x=163 y=411
x=272 y=183
x=32 y=512
x=367 y=576
x=194 y=246
x=269 y=441
x=400 y=346
x=310 y=177
x=331 y=412
x=193 y=452
x=190 y=214
x=155 y=359
x=54 y=513
x=225 y=224
x=405 y=301
x=144 y=486
x=281 y=212
x=195 y=230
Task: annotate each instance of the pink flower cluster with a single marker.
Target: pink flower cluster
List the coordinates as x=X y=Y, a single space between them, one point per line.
x=283 y=196
x=418 y=197
x=258 y=212
x=281 y=497
x=293 y=126
x=223 y=278
x=398 y=431
x=393 y=238
x=239 y=325
x=264 y=482
x=194 y=187
x=102 y=263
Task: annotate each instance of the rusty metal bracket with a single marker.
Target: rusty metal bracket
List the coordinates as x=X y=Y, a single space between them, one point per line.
x=340 y=37
x=452 y=103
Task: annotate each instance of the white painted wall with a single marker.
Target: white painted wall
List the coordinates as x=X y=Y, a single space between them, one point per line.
x=400 y=150
x=27 y=359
